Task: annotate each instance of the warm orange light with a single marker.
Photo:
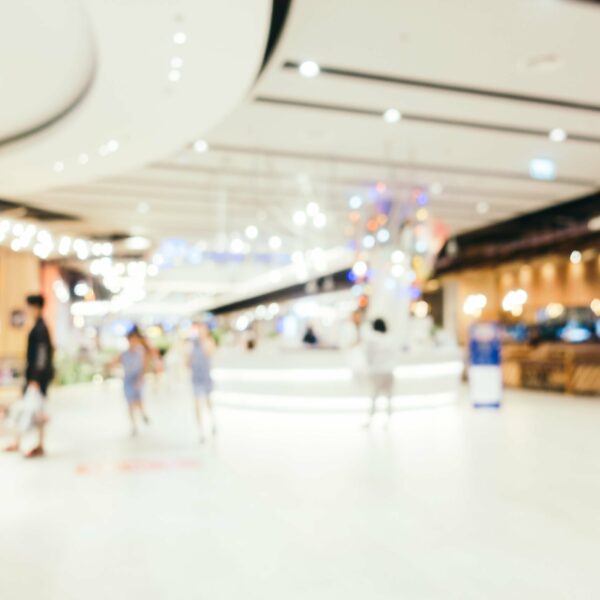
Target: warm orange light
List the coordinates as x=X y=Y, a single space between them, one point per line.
x=380 y=187
x=355 y=217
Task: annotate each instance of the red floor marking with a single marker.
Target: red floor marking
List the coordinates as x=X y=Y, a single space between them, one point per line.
x=131 y=466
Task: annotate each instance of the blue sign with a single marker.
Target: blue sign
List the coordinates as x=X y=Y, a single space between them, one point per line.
x=484 y=344
x=485 y=374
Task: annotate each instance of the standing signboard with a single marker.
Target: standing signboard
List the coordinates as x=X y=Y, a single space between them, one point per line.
x=485 y=374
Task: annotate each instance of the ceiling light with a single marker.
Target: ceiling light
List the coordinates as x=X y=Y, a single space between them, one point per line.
x=176 y=62
x=300 y=218
x=200 y=146
x=360 y=268
x=542 y=168
x=436 y=188
x=320 y=221
x=81 y=289
x=383 y=235
x=274 y=242
x=112 y=145
x=397 y=256
x=392 y=115
x=83 y=159
x=312 y=209
x=594 y=223
x=137 y=242
x=557 y=135
x=96 y=249
x=237 y=246
x=482 y=207
x=355 y=202
x=64 y=245
x=107 y=249
x=180 y=38
x=398 y=270
x=18 y=229
x=309 y=68
x=422 y=214
x=575 y=257
x=174 y=75
x=368 y=241
x=58 y=166
x=251 y=232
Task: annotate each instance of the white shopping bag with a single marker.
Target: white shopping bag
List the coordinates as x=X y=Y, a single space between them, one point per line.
x=29 y=410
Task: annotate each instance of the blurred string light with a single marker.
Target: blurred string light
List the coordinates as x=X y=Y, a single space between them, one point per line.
x=45 y=244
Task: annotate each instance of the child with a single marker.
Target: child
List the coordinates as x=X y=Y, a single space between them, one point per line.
x=199 y=361
x=381 y=359
x=134 y=361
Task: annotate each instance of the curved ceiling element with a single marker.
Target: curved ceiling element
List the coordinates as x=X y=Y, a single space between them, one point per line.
x=166 y=72
x=46 y=63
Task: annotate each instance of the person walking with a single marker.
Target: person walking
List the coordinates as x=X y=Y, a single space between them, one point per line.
x=380 y=360
x=203 y=347
x=39 y=372
x=134 y=361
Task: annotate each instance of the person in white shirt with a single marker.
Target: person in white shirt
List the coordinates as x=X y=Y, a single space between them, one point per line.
x=380 y=362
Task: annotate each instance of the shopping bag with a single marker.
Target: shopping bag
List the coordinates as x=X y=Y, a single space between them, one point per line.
x=28 y=412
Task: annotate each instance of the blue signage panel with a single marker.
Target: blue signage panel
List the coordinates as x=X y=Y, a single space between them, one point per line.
x=485 y=375
x=484 y=344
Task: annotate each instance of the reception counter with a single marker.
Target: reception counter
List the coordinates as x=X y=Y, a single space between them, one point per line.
x=314 y=379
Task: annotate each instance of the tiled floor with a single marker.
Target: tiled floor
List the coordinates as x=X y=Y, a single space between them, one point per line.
x=444 y=503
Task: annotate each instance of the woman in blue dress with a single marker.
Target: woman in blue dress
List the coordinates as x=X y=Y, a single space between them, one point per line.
x=201 y=353
x=133 y=361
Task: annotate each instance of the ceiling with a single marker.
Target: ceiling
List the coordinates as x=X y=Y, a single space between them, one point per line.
x=479 y=92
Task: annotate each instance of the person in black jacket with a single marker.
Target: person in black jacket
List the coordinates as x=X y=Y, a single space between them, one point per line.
x=39 y=370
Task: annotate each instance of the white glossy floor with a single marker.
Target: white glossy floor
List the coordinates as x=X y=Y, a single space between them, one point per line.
x=446 y=503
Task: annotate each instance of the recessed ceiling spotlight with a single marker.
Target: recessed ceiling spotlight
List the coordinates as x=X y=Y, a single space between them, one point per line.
x=274 y=242
x=309 y=68
x=482 y=207
x=83 y=159
x=200 y=146
x=299 y=218
x=176 y=62
x=557 y=135
x=436 y=188
x=575 y=257
x=320 y=221
x=58 y=166
x=180 y=38
x=312 y=209
x=542 y=168
x=392 y=115
x=174 y=75
x=112 y=145
x=251 y=232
